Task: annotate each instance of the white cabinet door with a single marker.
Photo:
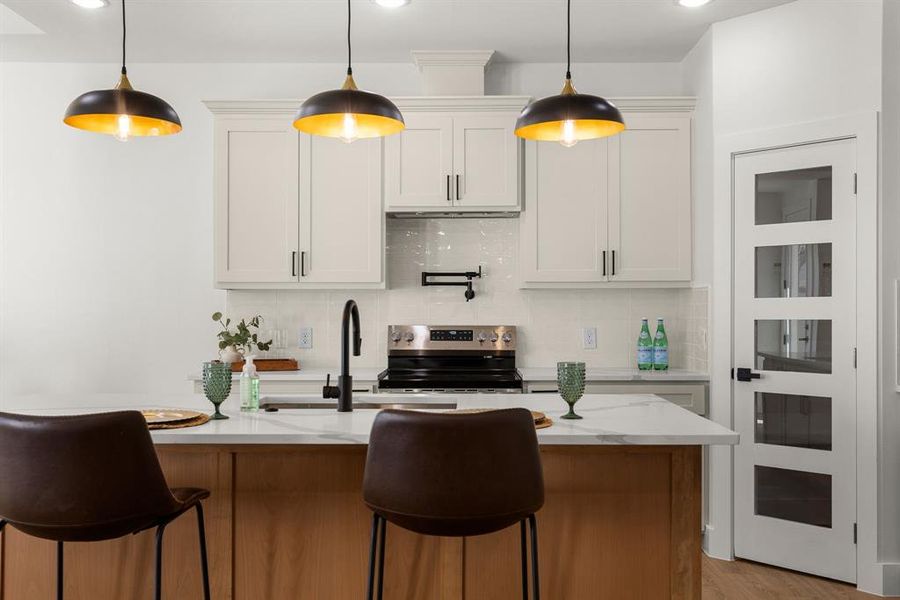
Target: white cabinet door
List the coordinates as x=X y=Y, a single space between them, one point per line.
x=341 y=212
x=563 y=235
x=650 y=200
x=256 y=199
x=419 y=164
x=485 y=162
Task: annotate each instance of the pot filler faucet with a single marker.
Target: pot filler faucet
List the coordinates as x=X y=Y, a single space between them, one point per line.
x=343 y=391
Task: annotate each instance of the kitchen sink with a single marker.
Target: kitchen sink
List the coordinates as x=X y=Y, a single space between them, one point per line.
x=273 y=403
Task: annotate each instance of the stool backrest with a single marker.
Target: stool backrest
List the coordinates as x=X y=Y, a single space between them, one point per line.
x=449 y=467
x=59 y=473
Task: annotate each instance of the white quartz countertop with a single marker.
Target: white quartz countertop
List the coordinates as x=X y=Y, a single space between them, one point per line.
x=528 y=374
x=624 y=419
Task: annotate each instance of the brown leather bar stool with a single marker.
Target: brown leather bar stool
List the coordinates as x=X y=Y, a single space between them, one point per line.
x=89 y=478
x=453 y=475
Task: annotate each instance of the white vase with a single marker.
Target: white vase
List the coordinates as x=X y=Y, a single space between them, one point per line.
x=230 y=354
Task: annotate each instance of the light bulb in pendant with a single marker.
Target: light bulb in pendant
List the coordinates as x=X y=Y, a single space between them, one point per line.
x=350 y=130
x=569 y=138
x=124 y=128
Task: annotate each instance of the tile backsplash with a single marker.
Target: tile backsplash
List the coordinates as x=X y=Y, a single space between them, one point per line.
x=550 y=321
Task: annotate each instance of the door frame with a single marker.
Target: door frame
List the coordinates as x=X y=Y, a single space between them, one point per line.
x=719 y=538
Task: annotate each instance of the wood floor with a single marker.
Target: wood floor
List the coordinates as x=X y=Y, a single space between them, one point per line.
x=742 y=580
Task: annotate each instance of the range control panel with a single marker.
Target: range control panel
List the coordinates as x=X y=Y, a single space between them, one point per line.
x=452 y=335
x=449 y=337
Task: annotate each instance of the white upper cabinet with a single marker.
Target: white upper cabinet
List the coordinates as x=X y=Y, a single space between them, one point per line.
x=486 y=162
x=650 y=200
x=256 y=209
x=342 y=218
x=294 y=211
x=419 y=163
x=563 y=226
x=611 y=211
x=455 y=155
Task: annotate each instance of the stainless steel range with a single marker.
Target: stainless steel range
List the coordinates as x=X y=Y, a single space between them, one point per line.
x=444 y=358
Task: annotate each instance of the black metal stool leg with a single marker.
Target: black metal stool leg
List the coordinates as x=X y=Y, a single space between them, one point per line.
x=373 y=548
x=383 y=528
x=59 y=571
x=524 y=549
x=157 y=594
x=204 y=564
x=535 y=579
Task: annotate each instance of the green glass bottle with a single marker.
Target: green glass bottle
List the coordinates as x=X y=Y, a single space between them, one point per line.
x=660 y=348
x=645 y=347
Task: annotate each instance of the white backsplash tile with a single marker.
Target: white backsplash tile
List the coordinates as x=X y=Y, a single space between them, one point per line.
x=550 y=321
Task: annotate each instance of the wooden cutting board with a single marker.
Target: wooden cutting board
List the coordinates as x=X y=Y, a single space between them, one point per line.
x=269 y=364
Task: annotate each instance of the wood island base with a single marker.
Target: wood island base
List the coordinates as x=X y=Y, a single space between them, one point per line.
x=287 y=522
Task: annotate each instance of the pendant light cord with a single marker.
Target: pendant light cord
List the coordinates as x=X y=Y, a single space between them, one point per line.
x=349 y=47
x=568 y=39
x=124 y=70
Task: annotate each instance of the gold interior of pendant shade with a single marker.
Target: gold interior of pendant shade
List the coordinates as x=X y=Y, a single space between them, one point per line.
x=109 y=123
x=332 y=125
x=585 y=129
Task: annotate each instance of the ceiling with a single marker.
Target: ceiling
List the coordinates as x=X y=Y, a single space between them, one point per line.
x=314 y=30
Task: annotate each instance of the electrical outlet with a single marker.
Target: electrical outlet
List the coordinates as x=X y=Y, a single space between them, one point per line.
x=589 y=338
x=305 y=339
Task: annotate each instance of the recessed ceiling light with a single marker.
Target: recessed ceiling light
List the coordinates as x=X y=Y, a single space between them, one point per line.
x=392 y=3
x=91 y=3
x=693 y=3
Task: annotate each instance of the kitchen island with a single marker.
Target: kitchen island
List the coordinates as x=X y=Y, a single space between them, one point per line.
x=286 y=519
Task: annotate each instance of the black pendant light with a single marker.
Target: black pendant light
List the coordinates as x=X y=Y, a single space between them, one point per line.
x=349 y=113
x=569 y=116
x=123 y=111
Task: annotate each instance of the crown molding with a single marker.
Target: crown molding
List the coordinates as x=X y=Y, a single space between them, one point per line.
x=654 y=104
x=451 y=58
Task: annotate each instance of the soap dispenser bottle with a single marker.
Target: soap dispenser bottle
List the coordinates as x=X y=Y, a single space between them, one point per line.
x=249 y=386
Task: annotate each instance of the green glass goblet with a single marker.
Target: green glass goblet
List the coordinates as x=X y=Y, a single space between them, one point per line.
x=217 y=384
x=570 y=378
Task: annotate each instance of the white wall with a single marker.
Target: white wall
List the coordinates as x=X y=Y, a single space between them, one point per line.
x=889 y=544
x=106 y=248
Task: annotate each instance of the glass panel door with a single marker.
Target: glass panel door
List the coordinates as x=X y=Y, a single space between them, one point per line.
x=794 y=338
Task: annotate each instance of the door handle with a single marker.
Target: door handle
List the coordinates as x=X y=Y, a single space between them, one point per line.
x=457 y=187
x=743 y=374
x=294 y=263
x=449 y=199
x=604 y=263
x=303 y=264
x=614 y=262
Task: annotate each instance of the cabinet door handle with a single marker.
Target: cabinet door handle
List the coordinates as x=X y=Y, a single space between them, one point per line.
x=457 y=187
x=449 y=199
x=604 y=263
x=294 y=263
x=614 y=263
x=303 y=264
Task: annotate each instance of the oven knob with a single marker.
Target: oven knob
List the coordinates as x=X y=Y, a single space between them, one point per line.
x=410 y=336
x=507 y=338
x=395 y=337
x=494 y=336
x=482 y=337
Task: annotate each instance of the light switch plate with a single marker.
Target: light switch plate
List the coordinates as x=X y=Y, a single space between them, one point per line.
x=589 y=338
x=305 y=339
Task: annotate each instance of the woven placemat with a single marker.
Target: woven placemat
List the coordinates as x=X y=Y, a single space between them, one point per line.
x=198 y=420
x=541 y=421
x=173 y=418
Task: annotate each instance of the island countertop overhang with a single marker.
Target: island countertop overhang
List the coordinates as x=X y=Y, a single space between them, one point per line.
x=609 y=419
